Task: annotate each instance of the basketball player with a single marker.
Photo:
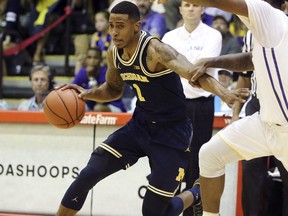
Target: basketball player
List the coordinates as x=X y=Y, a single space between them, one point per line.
x=266 y=132
x=159 y=128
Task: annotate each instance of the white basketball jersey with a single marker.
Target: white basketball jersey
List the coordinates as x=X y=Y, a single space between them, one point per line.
x=270 y=59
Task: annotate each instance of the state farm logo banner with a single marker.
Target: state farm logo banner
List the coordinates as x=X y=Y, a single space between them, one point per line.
x=91 y=118
x=99 y=119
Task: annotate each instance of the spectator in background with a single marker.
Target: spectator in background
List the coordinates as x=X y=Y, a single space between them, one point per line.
x=195 y=40
x=238 y=29
x=151 y=21
x=211 y=12
x=43 y=13
x=101 y=38
x=92 y=6
x=230 y=44
x=225 y=77
x=15 y=29
x=42 y=83
x=92 y=76
x=4 y=105
x=172 y=15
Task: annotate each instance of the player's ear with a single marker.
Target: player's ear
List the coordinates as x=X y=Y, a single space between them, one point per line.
x=137 y=27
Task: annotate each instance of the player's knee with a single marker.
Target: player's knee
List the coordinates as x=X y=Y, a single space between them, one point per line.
x=154 y=204
x=210 y=162
x=88 y=177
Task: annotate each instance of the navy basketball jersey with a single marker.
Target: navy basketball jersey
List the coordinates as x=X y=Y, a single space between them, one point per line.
x=160 y=94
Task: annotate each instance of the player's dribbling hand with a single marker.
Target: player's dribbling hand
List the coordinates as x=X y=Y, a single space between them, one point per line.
x=79 y=89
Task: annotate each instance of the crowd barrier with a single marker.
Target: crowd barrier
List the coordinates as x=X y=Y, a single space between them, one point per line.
x=39 y=161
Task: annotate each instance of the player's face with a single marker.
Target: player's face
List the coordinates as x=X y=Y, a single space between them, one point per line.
x=122 y=29
x=40 y=82
x=191 y=12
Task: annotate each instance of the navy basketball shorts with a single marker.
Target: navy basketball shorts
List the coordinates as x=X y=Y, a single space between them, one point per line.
x=166 y=145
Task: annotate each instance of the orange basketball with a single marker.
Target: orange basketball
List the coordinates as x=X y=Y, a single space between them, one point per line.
x=64 y=109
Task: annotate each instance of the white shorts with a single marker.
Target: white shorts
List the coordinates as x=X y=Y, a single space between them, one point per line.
x=252 y=138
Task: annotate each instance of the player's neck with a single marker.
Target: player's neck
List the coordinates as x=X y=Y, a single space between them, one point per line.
x=129 y=50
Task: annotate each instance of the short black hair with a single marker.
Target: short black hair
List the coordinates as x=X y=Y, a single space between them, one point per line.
x=129 y=8
x=222 y=18
x=277 y=3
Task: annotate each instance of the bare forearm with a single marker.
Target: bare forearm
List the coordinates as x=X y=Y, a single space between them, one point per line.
x=104 y=93
x=235 y=62
x=243 y=82
x=210 y=84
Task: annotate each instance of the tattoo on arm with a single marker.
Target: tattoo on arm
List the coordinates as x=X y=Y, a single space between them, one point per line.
x=166 y=53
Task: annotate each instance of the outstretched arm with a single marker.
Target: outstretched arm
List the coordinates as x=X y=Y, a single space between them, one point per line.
x=238 y=62
x=167 y=56
x=209 y=83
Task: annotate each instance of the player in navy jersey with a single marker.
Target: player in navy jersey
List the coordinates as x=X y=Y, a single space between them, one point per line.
x=265 y=132
x=159 y=128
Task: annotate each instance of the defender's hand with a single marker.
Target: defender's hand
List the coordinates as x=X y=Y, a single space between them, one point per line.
x=231 y=96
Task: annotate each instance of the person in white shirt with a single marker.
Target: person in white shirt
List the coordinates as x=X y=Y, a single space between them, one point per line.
x=196 y=40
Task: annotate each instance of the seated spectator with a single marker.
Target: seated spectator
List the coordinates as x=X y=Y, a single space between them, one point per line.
x=211 y=12
x=238 y=29
x=92 y=6
x=172 y=14
x=41 y=17
x=229 y=43
x=4 y=105
x=93 y=75
x=42 y=83
x=101 y=38
x=15 y=29
x=225 y=77
x=151 y=21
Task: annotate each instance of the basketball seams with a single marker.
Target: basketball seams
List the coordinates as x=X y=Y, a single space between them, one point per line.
x=66 y=108
x=77 y=103
x=51 y=110
x=60 y=107
x=78 y=117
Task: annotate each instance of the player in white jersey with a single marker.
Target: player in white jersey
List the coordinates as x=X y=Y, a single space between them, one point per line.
x=264 y=133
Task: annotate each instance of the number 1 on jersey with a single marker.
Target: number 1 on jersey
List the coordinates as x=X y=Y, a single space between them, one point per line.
x=139 y=95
